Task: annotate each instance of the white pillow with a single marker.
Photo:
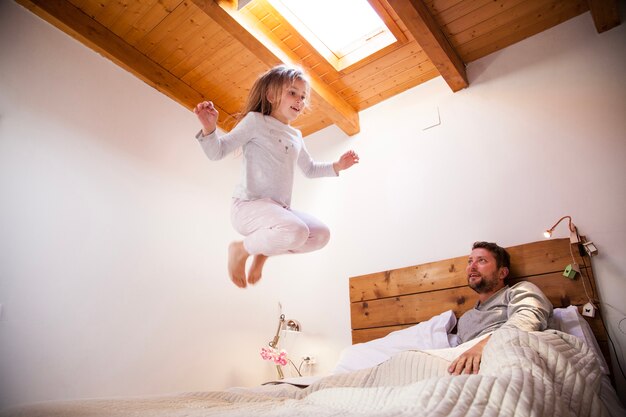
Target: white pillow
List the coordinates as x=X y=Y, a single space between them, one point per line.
x=431 y=334
x=569 y=320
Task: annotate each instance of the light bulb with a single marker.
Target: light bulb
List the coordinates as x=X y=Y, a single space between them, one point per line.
x=547 y=234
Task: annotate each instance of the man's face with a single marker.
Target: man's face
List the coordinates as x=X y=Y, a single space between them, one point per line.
x=483 y=274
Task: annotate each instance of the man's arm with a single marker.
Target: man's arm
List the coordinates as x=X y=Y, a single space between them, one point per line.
x=528 y=310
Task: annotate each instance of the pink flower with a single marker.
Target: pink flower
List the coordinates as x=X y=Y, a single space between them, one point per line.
x=271 y=354
x=266 y=354
x=281 y=359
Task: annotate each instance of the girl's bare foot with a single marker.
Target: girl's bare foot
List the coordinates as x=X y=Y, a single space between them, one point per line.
x=237 y=256
x=254 y=274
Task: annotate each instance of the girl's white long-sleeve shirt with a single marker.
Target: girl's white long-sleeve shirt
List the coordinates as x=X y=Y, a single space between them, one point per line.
x=271 y=150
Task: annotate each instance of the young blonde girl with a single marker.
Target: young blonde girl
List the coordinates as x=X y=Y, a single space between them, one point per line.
x=261 y=207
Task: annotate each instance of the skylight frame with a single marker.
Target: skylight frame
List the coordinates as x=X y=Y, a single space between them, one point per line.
x=360 y=48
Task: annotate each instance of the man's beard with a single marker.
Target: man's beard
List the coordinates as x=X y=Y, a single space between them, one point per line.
x=485 y=285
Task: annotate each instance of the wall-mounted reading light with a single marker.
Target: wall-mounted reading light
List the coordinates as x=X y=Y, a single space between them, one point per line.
x=573 y=237
x=588 y=246
x=572 y=269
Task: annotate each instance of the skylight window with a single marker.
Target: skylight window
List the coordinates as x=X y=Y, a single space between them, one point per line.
x=343 y=31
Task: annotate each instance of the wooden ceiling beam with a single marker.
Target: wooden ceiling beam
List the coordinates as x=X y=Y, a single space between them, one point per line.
x=71 y=20
x=605 y=14
x=430 y=37
x=268 y=52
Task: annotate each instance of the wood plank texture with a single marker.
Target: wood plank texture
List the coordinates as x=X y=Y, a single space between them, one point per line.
x=385 y=301
x=429 y=36
x=410 y=309
x=384 y=10
x=193 y=50
x=268 y=50
x=365 y=335
x=520 y=22
x=148 y=20
x=605 y=14
x=414 y=308
x=77 y=24
x=543 y=257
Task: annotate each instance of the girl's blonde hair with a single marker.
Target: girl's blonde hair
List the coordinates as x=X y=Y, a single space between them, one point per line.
x=269 y=88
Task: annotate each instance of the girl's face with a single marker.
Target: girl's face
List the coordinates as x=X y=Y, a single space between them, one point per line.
x=291 y=102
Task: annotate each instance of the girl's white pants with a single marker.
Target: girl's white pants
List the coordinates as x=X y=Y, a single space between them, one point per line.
x=271 y=229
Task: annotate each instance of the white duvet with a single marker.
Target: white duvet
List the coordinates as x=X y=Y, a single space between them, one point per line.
x=522 y=374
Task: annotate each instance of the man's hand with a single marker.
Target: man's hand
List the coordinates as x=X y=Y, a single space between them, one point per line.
x=469 y=361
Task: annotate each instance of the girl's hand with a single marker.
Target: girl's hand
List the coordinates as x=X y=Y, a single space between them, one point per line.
x=346 y=161
x=207 y=114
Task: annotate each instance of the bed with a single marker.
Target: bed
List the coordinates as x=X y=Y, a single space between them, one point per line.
x=402 y=322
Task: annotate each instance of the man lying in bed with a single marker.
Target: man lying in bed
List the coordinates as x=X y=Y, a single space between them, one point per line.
x=522 y=306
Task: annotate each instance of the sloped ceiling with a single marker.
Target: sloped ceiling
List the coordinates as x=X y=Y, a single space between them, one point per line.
x=195 y=50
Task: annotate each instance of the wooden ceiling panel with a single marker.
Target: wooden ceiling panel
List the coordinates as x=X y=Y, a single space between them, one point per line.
x=184 y=38
x=429 y=35
x=499 y=13
x=605 y=14
x=446 y=14
x=93 y=9
x=396 y=88
x=192 y=50
x=438 y=6
x=381 y=88
x=230 y=82
x=202 y=46
x=271 y=51
x=112 y=11
x=522 y=22
x=144 y=24
x=90 y=8
x=408 y=56
x=473 y=25
x=166 y=29
x=132 y=13
x=391 y=20
x=207 y=62
x=281 y=31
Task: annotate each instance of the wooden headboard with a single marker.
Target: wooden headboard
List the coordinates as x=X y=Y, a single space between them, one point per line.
x=391 y=300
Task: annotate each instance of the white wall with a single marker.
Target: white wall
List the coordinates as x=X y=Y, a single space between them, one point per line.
x=114 y=225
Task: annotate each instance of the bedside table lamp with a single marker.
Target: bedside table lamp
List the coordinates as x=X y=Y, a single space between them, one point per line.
x=284 y=325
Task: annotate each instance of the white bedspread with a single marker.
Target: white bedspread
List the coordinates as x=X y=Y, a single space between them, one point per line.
x=522 y=374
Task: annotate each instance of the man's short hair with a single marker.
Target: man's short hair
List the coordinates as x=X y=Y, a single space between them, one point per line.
x=502 y=256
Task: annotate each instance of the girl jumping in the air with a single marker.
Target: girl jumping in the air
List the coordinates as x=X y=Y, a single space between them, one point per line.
x=261 y=208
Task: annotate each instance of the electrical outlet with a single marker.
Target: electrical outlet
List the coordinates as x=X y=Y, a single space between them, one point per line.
x=307 y=365
x=589 y=310
x=309 y=360
x=590 y=248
